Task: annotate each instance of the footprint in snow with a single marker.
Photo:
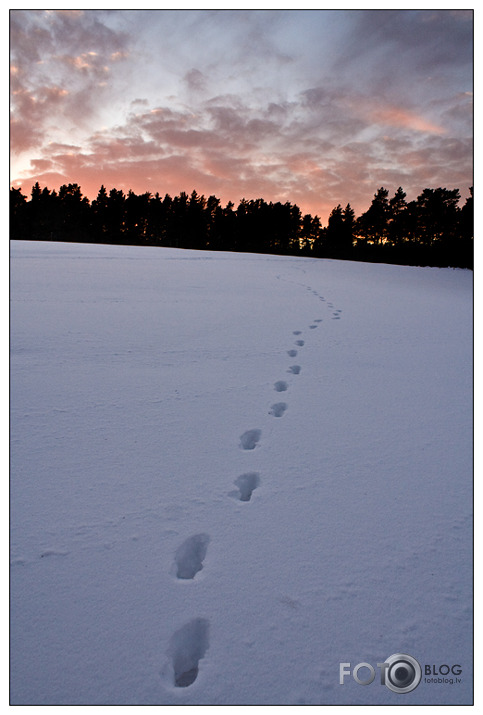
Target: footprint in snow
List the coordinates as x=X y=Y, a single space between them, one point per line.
x=280 y=386
x=300 y=342
x=187 y=647
x=292 y=353
x=246 y=484
x=294 y=369
x=52 y=552
x=318 y=320
x=297 y=332
x=190 y=555
x=312 y=326
x=278 y=409
x=250 y=438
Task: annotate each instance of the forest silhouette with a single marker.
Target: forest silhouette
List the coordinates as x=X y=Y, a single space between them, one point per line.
x=432 y=230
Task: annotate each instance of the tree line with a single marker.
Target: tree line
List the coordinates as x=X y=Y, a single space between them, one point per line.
x=431 y=230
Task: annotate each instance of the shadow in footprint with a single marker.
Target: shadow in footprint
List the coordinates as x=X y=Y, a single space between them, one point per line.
x=292 y=353
x=280 y=386
x=312 y=326
x=246 y=484
x=300 y=342
x=297 y=332
x=187 y=647
x=294 y=369
x=190 y=555
x=278 y=409
x=250 y=438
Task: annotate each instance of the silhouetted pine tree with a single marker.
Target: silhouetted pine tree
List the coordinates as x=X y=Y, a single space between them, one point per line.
x=432 y=230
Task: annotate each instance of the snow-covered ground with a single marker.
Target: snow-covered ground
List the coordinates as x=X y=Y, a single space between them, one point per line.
x=231 y=473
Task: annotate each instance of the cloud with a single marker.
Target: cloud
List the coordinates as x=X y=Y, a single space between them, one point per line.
x=405 y=56
x=195 y=80
x=41 y=166
x=233 y=150
x=410 y=38
x=314 y=108
x=89 y=63
x=350 y=112
x=403 y=118
x=24 y=136
x=30 y=110
x=59 y=61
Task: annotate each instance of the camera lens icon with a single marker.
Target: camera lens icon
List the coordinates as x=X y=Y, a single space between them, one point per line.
x=403 y=673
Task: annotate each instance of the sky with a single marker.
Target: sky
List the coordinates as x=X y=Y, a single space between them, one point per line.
x=315 y=107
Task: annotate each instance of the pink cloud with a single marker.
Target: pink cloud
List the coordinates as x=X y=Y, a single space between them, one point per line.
x=225 y=147
x=398 y=117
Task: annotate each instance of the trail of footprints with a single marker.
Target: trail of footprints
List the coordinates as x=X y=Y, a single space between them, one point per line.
x=188 y=645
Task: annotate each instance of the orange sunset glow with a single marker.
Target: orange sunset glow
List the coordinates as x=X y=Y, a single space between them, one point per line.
x=314 y=107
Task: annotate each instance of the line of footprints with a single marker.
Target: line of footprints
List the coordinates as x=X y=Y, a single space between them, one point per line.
x=189 y=644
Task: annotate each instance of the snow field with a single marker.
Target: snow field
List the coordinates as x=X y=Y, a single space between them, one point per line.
x=232 y=472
